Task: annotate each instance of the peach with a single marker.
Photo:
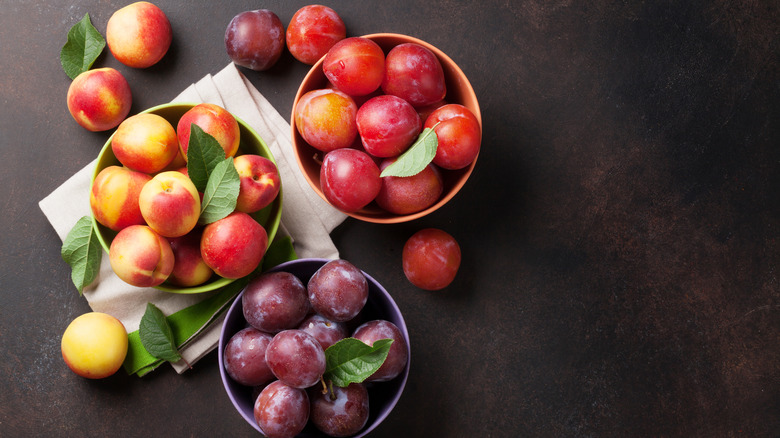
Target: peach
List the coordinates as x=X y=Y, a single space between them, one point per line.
x=406 y=195
x=113 y=197
x=325 y=118
x=260 y=182
x=99 y=99
x=234 y=246
x=189 y=269
x=141 y=257
x=94 y=345
x=145 y=142
x=139 y=34
x=214 y=120
x=170 y=204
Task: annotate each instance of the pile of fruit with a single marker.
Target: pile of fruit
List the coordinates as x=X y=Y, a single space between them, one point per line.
x=373 y=109
x=156 y=209
x=281 y=354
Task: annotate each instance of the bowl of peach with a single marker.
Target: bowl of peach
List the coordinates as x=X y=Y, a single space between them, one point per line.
x=185 y=198
x=386 y=127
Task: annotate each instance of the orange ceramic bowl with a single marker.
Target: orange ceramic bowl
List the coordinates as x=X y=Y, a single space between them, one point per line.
x=459 y=91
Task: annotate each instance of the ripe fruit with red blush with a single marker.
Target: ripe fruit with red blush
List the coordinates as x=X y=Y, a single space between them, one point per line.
x=312 y=31
x=431 y=258
x=459 y=136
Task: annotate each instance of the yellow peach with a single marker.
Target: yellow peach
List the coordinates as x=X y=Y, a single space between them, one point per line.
x=145 y=142
x=113 y=197
x=139 y=34
x=94 y=345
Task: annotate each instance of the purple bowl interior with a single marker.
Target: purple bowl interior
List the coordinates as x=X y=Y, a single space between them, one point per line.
x=383 y=396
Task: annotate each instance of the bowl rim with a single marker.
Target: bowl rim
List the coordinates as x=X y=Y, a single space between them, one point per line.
x=224 y=337
x=390 y=218
x=216 y=282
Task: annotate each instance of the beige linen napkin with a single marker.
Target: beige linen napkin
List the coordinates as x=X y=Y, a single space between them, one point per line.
x=306 y=218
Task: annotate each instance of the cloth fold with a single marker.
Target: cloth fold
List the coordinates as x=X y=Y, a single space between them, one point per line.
x=306 y=218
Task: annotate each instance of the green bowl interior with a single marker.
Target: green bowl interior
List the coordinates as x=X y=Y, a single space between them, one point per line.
x=251 y=143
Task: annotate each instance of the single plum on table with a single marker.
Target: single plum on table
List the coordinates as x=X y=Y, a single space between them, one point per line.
x=244 y=357
x=275 y=301
x=458 y=133
x=398 y=355
x=410 y=194
x=355 y=66
x=281 y=411
x=349 y=179
x=387 y=125
x=338 y=290
x=414 y=73
x=325 y=331
x=255 y=39
x=431 y=258
x=296 y=358
x=325 y=118
x=341 y=412
x=312 y=31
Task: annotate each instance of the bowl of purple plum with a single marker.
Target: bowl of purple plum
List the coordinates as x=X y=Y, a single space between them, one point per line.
x=314 y=348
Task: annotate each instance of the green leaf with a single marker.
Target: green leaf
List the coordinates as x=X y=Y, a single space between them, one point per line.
x=83 y=47
x=352 y=361
x=156 y=335
x=203 y=155
x=219 y=198
x=82 y=251
x=419 y=155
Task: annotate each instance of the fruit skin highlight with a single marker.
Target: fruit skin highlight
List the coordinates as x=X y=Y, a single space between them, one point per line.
x=99 y=99
x=94 y=345
x=139 y=34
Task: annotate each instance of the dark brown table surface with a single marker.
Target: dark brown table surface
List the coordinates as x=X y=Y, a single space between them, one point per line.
x=619 y=234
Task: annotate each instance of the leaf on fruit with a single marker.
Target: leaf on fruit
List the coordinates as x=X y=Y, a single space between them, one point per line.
x=203 y=155
x=219 y=198
x=351 y=360
x=419 y=155
x=83 y=47
x=156 y=335
x=82 y=251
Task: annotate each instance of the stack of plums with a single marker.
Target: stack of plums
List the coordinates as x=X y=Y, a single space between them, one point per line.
x=373 y=107
x=281 y=351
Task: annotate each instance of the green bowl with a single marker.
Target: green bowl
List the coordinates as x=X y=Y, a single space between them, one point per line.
x=251 y=143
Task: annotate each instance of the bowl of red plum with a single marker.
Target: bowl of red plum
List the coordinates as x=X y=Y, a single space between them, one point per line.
x=386 y=127
x=314 y=348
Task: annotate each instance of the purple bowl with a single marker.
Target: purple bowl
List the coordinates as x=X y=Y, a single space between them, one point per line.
x=383 y=396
